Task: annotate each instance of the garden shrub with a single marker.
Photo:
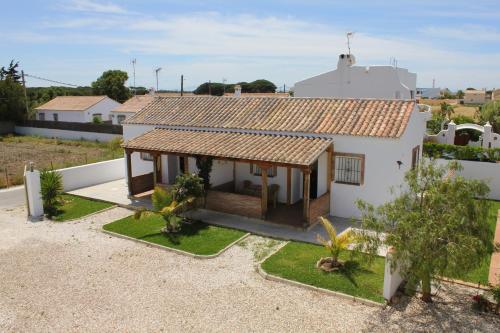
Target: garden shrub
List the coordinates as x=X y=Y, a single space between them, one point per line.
x=468 y=153
x=51 y=190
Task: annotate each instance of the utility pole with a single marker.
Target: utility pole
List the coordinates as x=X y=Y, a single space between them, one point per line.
x=284 y=87
x=182 y=85
x=25 y=95
x=157 y=71
x=134 y=61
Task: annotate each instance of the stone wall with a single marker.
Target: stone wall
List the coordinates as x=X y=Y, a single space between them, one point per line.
x=319 y=207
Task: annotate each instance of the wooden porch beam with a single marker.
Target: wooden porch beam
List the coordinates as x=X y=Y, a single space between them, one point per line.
x=288 y=186
x=329 y=168
x=264 y=192
x=186 y=164
x=305 y=196
x=155 y=170
x=128 y=155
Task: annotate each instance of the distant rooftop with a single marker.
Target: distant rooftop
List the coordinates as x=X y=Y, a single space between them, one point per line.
x=71 y=103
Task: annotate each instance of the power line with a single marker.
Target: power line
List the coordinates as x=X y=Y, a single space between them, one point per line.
x=53 y=81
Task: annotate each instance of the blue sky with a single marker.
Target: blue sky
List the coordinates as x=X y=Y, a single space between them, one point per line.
x=455 y=42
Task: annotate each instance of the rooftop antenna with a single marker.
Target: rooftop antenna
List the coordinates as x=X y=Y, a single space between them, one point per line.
x=134 y=61
x=157 y=71
x=349 y=36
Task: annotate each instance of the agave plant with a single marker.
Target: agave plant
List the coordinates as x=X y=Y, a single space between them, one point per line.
x=334 y=245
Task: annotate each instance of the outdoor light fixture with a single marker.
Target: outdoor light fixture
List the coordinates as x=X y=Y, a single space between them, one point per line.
x=399 y=164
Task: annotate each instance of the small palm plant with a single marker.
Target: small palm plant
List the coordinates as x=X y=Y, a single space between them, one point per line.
x=171 y=205
x=334 y=244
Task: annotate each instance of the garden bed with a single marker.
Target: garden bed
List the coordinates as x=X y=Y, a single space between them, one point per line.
x=197 y=237
x=75 y=207
x=297 y=262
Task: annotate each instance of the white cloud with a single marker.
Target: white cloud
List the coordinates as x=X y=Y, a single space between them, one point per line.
x=475 y=33
x=95 y=7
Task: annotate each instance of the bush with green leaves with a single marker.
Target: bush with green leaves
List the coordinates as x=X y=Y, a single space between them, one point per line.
x=467 y=153
x=187 y=185
x=436 y=224
x=490 y=112
x=51 y=190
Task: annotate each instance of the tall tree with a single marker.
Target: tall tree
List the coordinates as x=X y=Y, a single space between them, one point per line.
x=11 y=72
x=112 y=84
x=490 y=112
x=437 y=224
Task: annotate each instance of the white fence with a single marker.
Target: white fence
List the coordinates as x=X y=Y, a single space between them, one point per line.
x=489 y=172
x=92 y=174
x=73 y=178
x=65 y=134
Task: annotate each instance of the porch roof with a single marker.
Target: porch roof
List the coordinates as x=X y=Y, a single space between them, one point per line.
x=277 y=149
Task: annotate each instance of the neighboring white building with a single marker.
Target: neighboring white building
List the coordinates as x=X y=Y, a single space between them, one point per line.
x=130 y=107
x=350 y=81
x=78 y=109
x=430 y=93
x=474 y=96
x=342 y=150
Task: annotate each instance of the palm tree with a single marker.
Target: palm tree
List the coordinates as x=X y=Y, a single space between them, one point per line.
x=334 y=244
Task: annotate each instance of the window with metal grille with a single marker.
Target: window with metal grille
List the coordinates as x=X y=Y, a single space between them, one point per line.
x=146 y=156
x=349 y=169
x=257 y=171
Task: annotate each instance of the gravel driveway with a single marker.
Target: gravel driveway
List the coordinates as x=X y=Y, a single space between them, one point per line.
x=68 y=277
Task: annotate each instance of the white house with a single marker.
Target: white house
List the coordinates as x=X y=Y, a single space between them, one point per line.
x=430 y=93
x=350 y=81
x=315 y=156
x=79 y=109
x=130 y=107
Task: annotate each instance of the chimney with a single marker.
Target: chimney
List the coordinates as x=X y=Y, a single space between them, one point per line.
x=237 y=90
x=346 y=60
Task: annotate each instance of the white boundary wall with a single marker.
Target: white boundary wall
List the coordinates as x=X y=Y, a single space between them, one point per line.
x=64 y=134
x=92 y=174
x=392 y=280
x=489 y=172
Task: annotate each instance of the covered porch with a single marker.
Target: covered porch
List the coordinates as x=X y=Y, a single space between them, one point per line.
x=281 y=179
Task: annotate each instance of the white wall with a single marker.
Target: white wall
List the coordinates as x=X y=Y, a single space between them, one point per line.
x=92 y=174
x=381 y=169
x=359 y=82
x=322 y=174
x=64 y=134
x=392 y=279
x=71 y=116
x=489 y=172
x=114 y=116
x=104 y=108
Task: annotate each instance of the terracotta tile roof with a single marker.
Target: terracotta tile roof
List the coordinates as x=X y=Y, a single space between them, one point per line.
x=134 y=104
x=278 y=94
x=362 y=117
x=475 y=92
x=293 y=150
x=71 y=103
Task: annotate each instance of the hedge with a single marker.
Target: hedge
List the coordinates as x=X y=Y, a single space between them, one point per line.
x=468 y=153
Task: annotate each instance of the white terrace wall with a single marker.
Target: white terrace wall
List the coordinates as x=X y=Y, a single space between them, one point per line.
x=65 y=134
x=92 y=174
x=489 y=172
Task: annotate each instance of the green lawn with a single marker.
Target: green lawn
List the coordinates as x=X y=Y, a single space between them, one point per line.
x=75 y=207
x=297 y=261
x=197 y=238
x=480 y=274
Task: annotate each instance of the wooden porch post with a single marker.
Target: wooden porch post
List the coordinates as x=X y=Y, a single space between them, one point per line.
x=186 y=164
x=329 y=168
x=305 y=197
x=155 y=170
x=288 y=186
x=263 y=199
x=128 y=154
